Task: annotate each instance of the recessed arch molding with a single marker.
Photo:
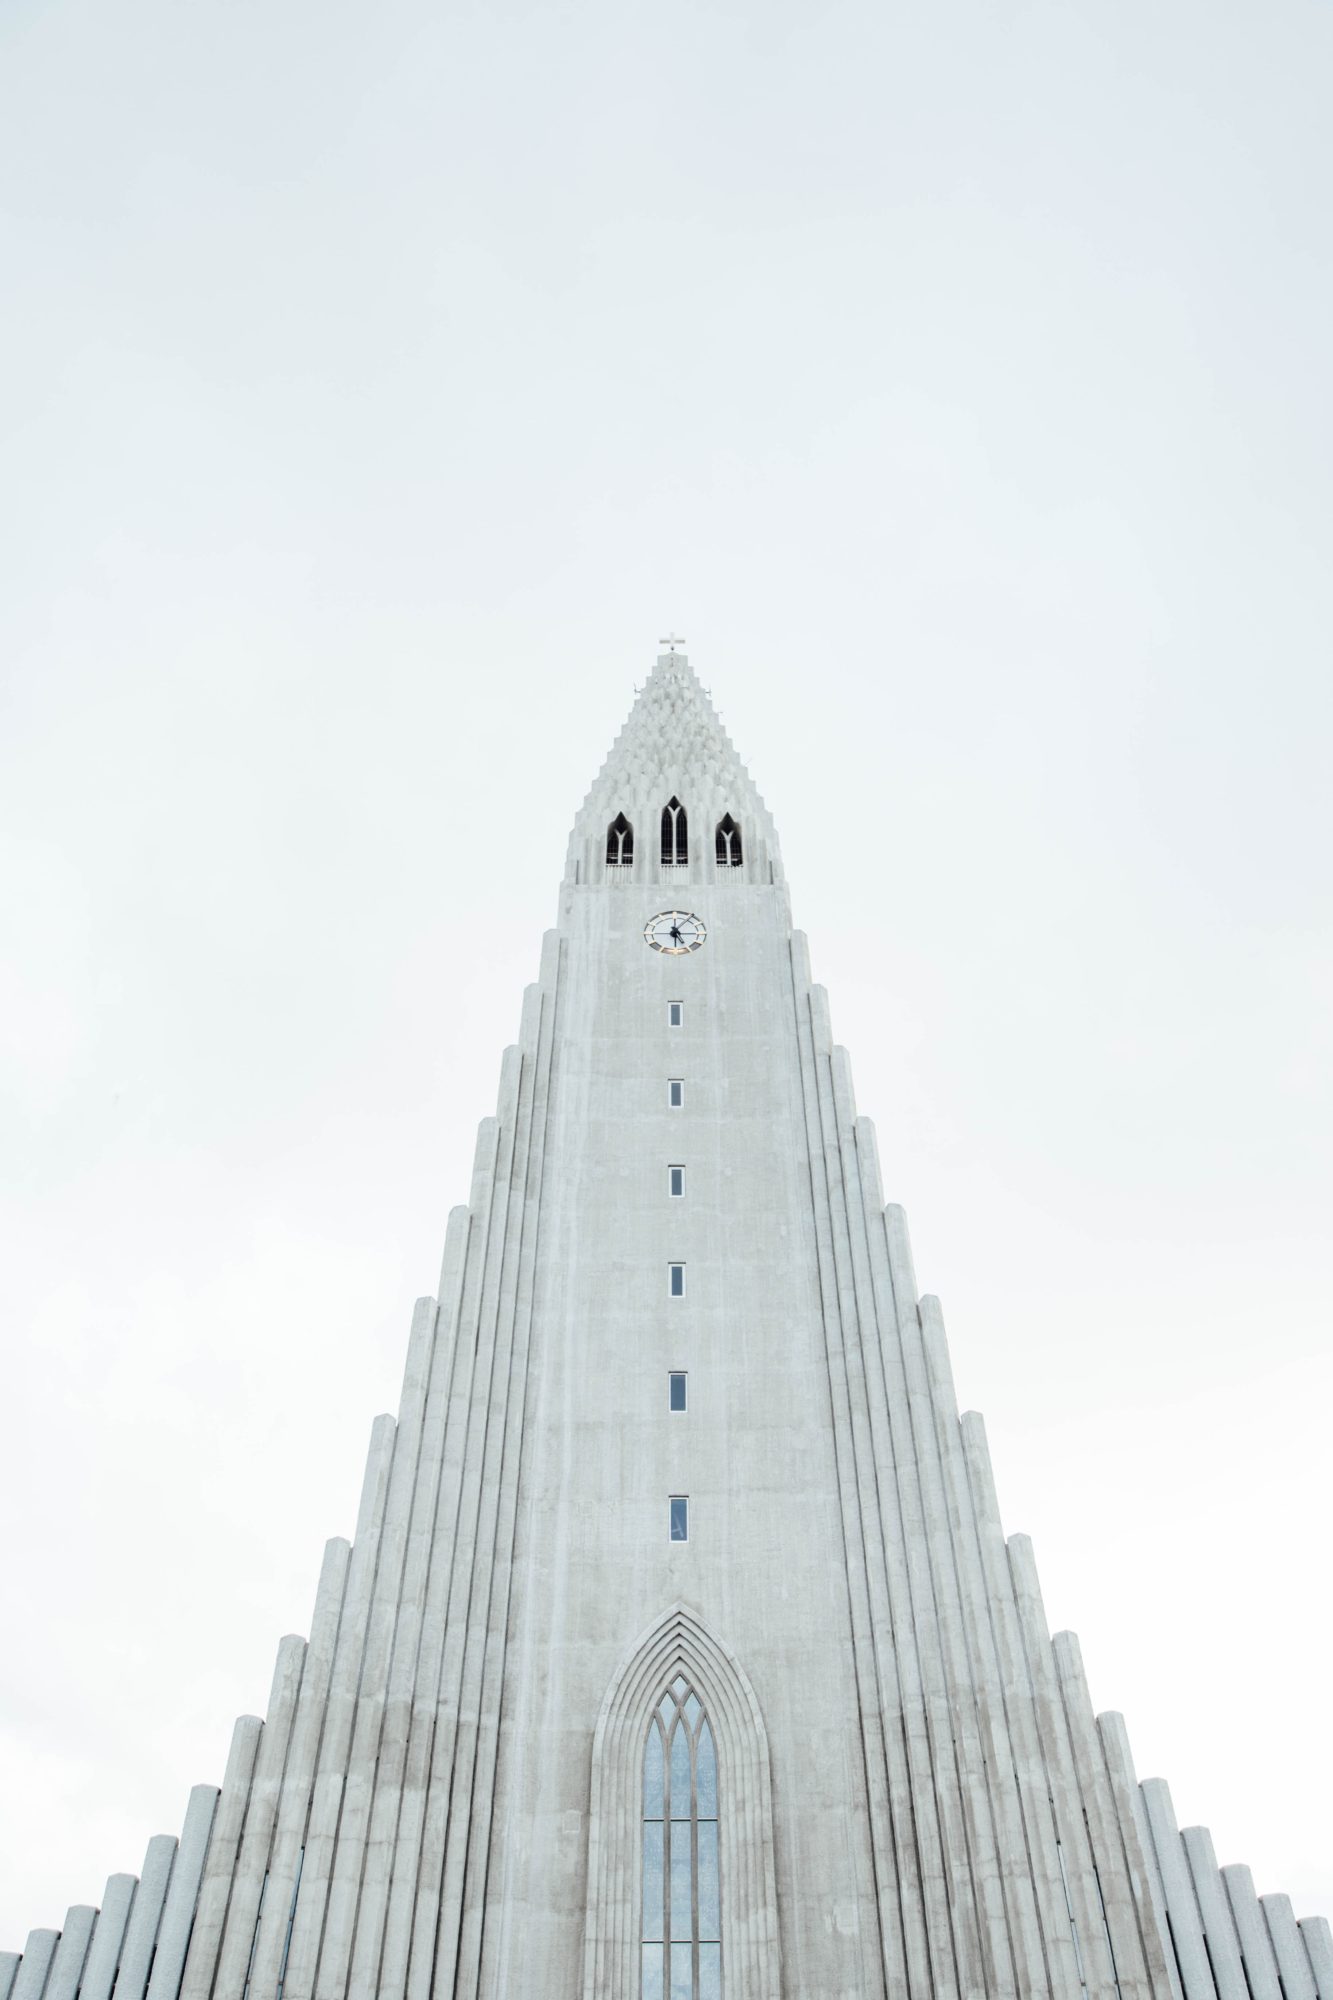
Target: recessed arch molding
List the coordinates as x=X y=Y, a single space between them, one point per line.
x=680 y=1643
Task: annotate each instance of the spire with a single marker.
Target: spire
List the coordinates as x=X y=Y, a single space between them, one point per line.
x=673 y=746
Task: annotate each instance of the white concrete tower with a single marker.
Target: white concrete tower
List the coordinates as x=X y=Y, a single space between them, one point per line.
x=679 y=1654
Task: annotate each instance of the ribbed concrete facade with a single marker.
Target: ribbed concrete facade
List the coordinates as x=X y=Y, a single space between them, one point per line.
x=876 y=1772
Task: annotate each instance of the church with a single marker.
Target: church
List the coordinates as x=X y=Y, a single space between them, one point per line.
x=679 y=1652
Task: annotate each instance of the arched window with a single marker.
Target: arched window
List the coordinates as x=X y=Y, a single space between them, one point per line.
x=627 y=1952
x=682 y=1918
x=728 y=843
x=675 y=834
x=619 y=843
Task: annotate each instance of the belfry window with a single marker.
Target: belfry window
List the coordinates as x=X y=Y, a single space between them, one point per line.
x=728 y=843
x=682 y=1929
x=675 y=835
x=619 y=843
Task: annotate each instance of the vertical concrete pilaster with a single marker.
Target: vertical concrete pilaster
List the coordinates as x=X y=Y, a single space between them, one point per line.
x=136 y=1957
x=30 y=1976
x=1256 y=1947
x=1140 y=1862
x=1219 y=1927
x=178 y=1909
x=250 y=1873
x=1071 y=1826
x=1288 y=1948
x=99 y=1970
x=895 y=1838
x=278 y=1900
x=62 y=1981
x=1318 y=1941
x=1182 y=1905
x=339 y=1711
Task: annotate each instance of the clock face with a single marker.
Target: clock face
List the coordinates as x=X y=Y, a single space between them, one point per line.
x=674 y=931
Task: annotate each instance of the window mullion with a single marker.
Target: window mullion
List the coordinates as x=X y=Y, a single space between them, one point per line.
x=694 y=1865
x=666 y=1902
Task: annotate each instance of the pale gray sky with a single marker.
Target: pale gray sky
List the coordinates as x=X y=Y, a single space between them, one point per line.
x=378 y=382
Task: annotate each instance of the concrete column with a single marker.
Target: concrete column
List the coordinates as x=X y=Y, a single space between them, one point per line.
x=1023 y=1888
x=1182 y=1906
x=99 y=1969
x=252 y=1857
x=895 y=1539
x=173 y=1931
x=1319 y=1950
x=326 y=1798
x=1256 y=1947
x=899 y=1399
x=1110 y=1876
x=1021 y=1707
x=220 y=1866
x=395 y=1735
x=62 y=1981
x=10 y=1962
x=918 y=1859
x=298 y=1779
x=902 y=1948
x=1140 y=1860
x=448 y=1820
x=34 y=1965
x=1288 y=1948
x=451 y=1390
x=381 y=1638
x=516 y=1305
x=136 y=1956
x=1071 y=1828
x=467 y=1850
x=1219 y=1927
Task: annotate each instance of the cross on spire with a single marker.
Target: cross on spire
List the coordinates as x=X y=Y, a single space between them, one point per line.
x=672 y=640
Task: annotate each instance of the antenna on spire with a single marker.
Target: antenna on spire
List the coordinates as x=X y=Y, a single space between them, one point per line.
x=672 y=640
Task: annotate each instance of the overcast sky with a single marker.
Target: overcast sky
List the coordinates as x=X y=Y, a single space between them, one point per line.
x=378 y=384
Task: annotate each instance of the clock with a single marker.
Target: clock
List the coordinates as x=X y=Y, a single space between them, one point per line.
x=674 y=931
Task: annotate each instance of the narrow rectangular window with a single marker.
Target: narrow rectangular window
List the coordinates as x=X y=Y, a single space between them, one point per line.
x=676 y=1093
x=676 y=1181
x=680 y=1517
x=675 y=1013
x=677 y=1382
x=676 y=1280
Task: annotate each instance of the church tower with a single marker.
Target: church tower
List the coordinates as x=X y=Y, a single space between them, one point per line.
x=679 y=1653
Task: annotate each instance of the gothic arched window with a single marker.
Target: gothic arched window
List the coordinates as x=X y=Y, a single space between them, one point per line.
x=675 y=834
x=728 y=843
x=656 y=1788
x=682 y=1919
x=619 y=842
